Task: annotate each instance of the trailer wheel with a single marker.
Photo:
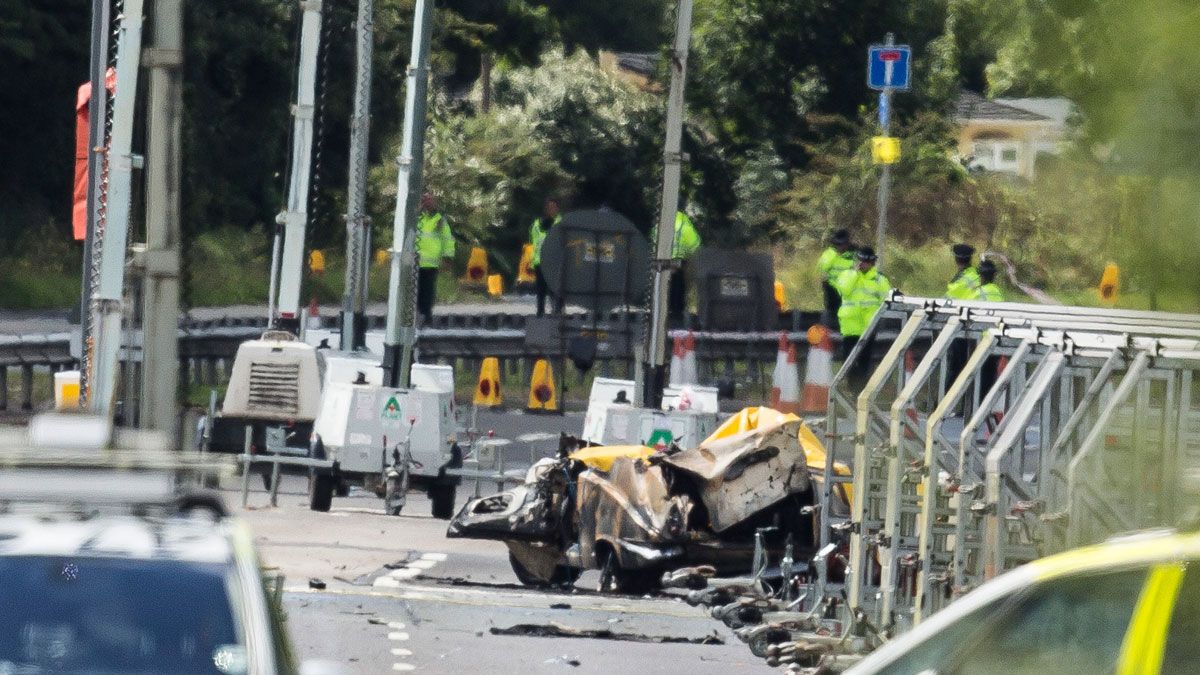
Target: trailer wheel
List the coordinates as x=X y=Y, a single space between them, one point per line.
x=320 y=496
x=394 y=496
x=442 y=496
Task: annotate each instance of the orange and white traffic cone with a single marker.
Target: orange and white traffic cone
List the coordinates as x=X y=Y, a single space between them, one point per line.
x=785 y=383
x=314 y=314
x=678 y=376
x=818 y=374
x=690 y=374
x=909 y=367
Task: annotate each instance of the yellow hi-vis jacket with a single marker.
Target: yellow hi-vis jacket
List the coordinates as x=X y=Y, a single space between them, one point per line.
x=862 y=295
x=434 y=241
x=687 y=239
x=831 y=264
x=965 y=285
x=537 y=235
x=990 y=292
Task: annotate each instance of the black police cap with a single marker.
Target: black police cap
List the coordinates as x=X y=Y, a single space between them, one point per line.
x=867 y=254
x=963 y=251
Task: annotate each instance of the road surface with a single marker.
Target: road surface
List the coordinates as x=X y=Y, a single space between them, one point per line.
x=398 y=596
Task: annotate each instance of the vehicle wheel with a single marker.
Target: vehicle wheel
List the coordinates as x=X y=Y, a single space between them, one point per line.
x=563 y=575
x=616 y=579
x=393 y=498
x=764 y=639
x=442 y=495
x=320 y=496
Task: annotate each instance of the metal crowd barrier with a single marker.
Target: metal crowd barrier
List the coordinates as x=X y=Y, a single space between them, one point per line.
x=1090 y=428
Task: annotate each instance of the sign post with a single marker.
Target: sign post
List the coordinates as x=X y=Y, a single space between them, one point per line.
x=888 y=70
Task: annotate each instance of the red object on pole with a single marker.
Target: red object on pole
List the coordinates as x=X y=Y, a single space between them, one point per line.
x=83 y=97
x=889 y=55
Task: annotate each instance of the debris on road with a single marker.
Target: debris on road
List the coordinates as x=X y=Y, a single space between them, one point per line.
x=316 y=584
x=557 y=630
x=560 y=605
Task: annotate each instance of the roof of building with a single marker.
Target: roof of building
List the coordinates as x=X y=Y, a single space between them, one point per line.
x=1057 y=108
x=972 y=106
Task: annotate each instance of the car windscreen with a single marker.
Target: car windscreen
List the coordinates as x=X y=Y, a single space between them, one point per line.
x=91 y=615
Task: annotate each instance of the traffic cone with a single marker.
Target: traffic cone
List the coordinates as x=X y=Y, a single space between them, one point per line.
x=477 y=267
x=487 y=391
x=785 y=383
x=314 y=314
x=818 y=374
x=678 y=377
x=690 y=374
x=542 y=396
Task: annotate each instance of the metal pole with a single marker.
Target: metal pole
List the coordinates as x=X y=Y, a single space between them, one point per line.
x=401 y=332
x=649 y=386
x=111 y=286
x=358 y=225
x=98 y=70
x=160 y=318
x=288 y=253
x=885 y=178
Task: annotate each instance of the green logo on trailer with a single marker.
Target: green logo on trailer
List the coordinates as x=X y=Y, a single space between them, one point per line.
x=660 y=439
x=391 y=409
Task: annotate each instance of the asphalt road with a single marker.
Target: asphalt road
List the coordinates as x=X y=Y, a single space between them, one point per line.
x=398 y=596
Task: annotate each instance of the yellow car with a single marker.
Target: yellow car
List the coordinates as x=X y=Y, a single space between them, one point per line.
x=1129 y=606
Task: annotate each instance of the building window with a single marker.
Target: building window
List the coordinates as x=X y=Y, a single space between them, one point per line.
x=996 y=155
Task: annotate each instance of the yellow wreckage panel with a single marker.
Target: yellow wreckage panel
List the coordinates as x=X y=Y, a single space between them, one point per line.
x=760 y=419
x=601 y=457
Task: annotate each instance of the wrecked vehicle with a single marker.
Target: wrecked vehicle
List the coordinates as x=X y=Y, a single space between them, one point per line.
x=633 y=513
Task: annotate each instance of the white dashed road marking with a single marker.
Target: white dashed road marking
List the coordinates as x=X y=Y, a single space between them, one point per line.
x=401 y=652
x=403 y=666
x=398 y=636
x=437 y=557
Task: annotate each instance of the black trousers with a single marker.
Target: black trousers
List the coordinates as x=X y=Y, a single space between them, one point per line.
x=833 y=302
x=677 y=293
x=861 y=369
x=426 y=292
x=543 y=291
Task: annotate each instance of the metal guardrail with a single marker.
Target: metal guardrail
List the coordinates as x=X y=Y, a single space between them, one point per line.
x=1076 y=424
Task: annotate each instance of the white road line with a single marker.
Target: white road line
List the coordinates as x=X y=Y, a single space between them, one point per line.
x=423 y=564
x=404 y=573
x=387 y=582
x=401 y=652
x=396 y=625
x=439 y=557
x=403 y=666
x=398 y=636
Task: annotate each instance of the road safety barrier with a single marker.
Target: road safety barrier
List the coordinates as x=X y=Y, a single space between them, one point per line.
x=962 y=470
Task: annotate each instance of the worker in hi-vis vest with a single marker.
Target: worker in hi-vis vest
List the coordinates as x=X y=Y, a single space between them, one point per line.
x=965 y=284
x=863 y=290
x=837 y=258
x=435 y=249
x=537 y=236
x=988 y=290
x=687 y=242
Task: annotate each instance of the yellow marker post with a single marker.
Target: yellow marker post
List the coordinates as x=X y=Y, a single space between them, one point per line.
x=885 y=149
x=316 y=261
x=477 y=267
x=382 y=257
x=542 y=395
x=1110 y=283
x=495 y=285
x=525 y=274
x=487 y=391
x=780 y=296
